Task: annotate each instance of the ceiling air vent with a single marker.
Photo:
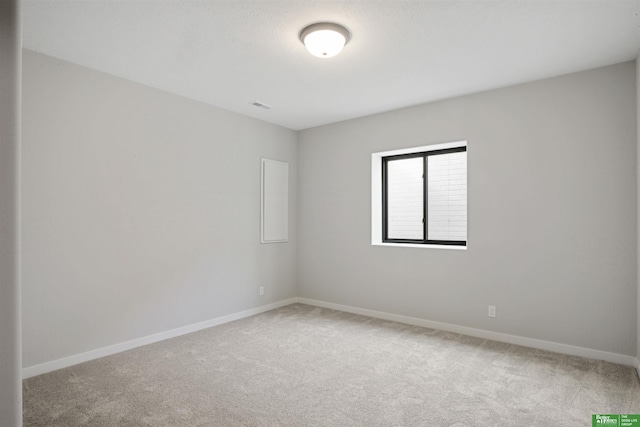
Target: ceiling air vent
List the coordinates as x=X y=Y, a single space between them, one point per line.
x=261 y=105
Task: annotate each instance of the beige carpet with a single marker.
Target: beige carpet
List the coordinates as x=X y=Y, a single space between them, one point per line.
x=306 y=366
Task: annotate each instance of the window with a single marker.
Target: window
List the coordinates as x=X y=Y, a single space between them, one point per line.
x=421 y=196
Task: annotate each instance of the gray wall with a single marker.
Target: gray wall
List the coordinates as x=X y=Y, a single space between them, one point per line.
x=10 y=347
x=10 y=365
x=638 y=200
x=141 y=211
x=552 y=213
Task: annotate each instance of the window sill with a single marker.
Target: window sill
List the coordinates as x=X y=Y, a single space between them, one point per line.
x=411 y=245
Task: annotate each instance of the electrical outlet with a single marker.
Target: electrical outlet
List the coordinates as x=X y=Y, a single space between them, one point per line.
x=492 y=311
x=261 y=290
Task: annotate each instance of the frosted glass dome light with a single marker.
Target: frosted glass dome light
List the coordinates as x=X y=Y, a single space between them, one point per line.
x=325 y=39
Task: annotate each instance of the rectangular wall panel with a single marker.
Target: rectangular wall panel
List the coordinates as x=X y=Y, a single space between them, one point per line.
x=275 y=201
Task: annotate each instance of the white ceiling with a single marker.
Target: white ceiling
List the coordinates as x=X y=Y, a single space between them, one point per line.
x=232 y=53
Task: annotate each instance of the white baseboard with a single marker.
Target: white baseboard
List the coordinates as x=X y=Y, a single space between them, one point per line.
x=481 y=333
x=65 y=362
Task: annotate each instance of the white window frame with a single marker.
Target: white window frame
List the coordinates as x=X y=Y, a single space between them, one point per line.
x=376 y=194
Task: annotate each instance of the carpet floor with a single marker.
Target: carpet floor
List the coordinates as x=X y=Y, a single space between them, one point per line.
x=307 y=366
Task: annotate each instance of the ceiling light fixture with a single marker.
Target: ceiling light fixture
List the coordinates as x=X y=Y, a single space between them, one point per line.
x=324 y=39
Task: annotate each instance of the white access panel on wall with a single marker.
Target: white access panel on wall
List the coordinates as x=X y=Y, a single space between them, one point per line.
x=275 y=201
